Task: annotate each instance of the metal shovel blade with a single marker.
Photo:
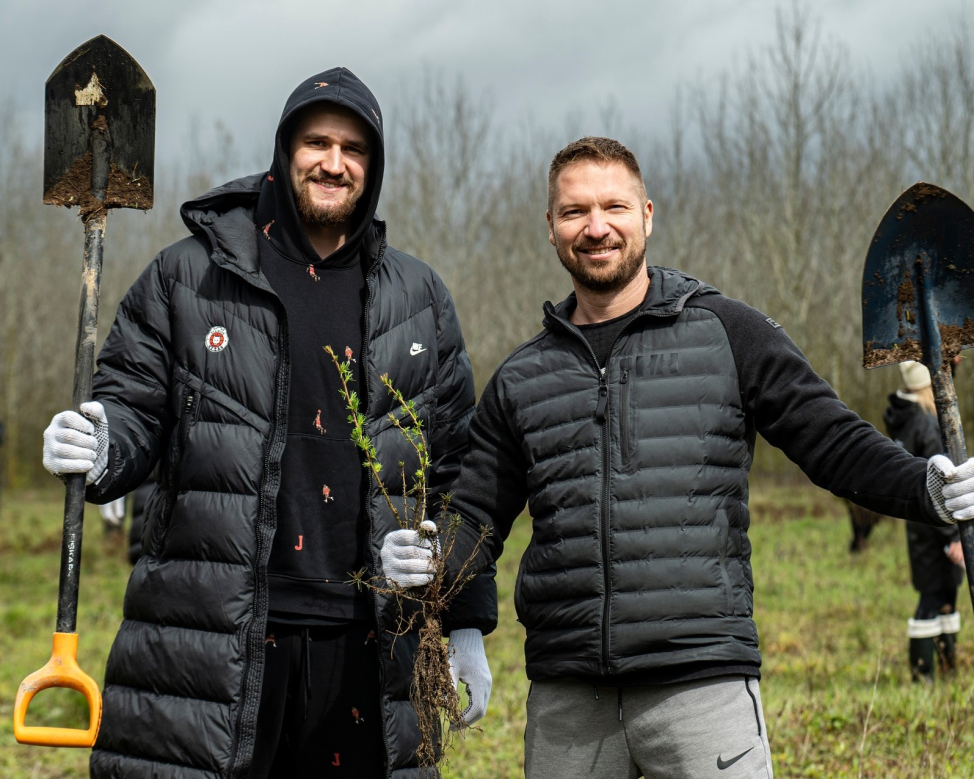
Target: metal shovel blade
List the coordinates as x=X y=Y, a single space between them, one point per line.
x=99 y=86
x=918 y=281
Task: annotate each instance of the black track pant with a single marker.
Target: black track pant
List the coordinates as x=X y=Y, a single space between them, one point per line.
x=933 y=604
x=319 y=707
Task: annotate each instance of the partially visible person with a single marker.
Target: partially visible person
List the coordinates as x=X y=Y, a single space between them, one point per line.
x=113 y=515
x=936 y=558
x=863 y=521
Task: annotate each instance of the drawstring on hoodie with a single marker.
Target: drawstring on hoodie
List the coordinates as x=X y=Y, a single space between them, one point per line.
x=620 y=704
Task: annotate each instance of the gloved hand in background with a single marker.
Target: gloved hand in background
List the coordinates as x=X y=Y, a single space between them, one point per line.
x=951 y=488
x=78 y=444
x=113 y=513
x=468 y=664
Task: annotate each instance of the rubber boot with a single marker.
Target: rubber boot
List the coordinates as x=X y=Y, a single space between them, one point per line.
x=947 y=642
x=923 y=647
x=947 y=653
x=922 y=654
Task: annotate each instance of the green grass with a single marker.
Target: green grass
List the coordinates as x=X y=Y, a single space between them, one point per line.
x=836 y=689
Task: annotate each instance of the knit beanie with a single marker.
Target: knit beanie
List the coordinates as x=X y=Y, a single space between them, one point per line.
x=915 y=375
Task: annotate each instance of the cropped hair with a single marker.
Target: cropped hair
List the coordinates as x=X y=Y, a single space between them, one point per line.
x=602 y=150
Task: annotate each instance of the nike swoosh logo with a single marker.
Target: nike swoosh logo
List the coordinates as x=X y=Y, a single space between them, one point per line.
x=416 y=349
x=722 y=764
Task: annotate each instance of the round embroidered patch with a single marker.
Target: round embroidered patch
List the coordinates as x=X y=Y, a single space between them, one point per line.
x=216 y=339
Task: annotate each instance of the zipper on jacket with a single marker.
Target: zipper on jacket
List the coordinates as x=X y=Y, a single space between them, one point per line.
x=602 y=417
x=368 y=496
x=255 y=633
x=604 y=534
x=603 y=403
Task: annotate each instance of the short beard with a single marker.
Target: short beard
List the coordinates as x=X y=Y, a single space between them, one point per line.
x=314 y=213
x=632 y=263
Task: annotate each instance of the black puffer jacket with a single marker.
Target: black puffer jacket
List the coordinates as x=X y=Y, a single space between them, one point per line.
x=184 y=675
x=636 y=480
x=918 y=432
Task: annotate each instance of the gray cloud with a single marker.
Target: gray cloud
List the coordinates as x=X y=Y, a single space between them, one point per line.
x=236 y=60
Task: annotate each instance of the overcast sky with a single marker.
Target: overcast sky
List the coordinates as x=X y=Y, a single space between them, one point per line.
x=237 y=60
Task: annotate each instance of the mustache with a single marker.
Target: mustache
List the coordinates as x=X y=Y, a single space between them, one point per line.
x=590 y=246
x=334 y=181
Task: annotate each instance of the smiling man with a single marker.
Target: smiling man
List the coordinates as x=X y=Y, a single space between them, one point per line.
x=246 y=651
x=628 y=428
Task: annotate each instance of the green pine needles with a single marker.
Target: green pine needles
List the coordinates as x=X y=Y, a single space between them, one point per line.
x=432 y=693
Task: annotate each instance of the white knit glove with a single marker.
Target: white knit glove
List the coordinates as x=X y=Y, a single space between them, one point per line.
x=78 y=444
x=407 y=558
x=113 y=512
x=951 y=488
x=468 y=664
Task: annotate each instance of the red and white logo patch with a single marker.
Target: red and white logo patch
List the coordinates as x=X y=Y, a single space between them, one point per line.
x=216 y=339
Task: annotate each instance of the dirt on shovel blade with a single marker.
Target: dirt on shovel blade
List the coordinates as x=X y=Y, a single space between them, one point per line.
x=910 y=349
x=955 y=337
x=124 y=191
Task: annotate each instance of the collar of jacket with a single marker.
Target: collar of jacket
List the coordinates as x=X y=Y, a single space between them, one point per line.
x=668 y=292
x=224 y=216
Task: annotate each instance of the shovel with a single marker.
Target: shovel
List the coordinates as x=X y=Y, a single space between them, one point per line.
x=99 y=135
x=918 y=304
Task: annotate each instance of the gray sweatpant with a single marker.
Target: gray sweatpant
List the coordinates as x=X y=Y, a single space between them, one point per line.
x=708 y=728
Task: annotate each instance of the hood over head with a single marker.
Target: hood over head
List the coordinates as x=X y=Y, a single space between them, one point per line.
x=277 y=211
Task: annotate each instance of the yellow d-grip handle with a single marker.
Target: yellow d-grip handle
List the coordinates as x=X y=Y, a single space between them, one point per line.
x=62 y=670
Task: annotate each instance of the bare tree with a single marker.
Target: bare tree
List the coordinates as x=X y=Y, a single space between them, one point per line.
x=769 y=187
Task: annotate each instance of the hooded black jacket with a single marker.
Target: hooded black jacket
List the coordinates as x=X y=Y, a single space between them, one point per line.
x=918 y=432
x=184 y=675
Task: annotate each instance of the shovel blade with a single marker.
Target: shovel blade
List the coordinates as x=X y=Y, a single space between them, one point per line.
x=99 y=84
x=918 y=281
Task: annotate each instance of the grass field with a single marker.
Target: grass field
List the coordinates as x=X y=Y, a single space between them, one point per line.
x=835 y=684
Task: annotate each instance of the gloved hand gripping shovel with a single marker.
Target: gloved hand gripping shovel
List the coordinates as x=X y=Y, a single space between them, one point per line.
x=99 y=137
x=918 y=304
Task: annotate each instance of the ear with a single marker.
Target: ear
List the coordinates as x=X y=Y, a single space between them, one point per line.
x=551 y=228
x=648 y=213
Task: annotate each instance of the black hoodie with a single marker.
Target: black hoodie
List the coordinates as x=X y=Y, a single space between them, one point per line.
x=321 y=530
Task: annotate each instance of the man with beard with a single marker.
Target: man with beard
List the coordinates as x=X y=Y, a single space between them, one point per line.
x=628 y=428
x=246 y=651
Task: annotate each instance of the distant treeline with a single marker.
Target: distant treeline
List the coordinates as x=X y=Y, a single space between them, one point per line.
x=769 y=187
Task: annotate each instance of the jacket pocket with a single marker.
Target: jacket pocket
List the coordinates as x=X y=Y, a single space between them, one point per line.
x=223 y=408
x=157 y=533
x=723 y=540
x=626 y=426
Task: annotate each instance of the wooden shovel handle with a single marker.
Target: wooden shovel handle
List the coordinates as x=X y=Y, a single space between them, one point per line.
x=62 y=670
